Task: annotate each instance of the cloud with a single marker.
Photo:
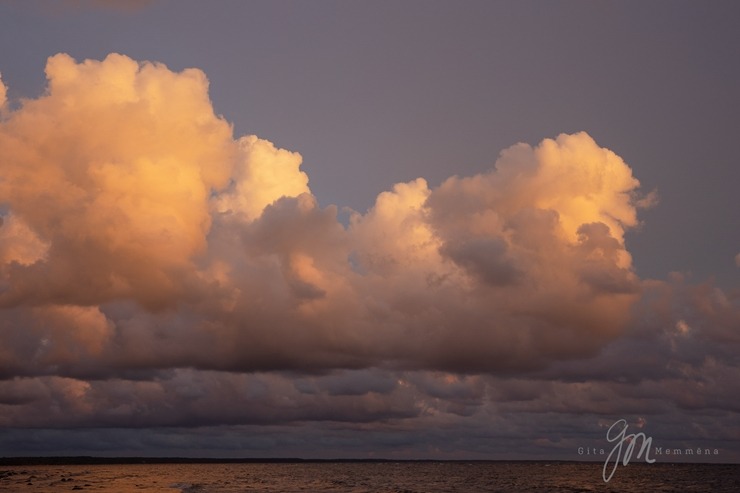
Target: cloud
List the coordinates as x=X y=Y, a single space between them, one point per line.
x=156 y=270
x=510 y=268
x=262 y=175
x=19 y=244
x=63 y=6
x=3 y=95
x=109 y=4
x=125 y=189
x=113 y=168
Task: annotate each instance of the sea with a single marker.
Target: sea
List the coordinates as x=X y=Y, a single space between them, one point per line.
x=356 y=477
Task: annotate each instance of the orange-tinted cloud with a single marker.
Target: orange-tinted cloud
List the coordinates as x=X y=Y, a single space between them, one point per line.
x=123 y=185
x=143 y=246
x=113 y=167
x=262 y=175
x=3 y=95
x=509 y=268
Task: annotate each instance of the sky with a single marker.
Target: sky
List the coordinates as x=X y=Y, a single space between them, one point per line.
x=445 y=230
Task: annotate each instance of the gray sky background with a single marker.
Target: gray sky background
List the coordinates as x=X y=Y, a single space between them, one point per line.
x=376 y=93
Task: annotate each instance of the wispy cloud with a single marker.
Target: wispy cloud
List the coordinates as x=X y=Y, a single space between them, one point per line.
x=63 y=6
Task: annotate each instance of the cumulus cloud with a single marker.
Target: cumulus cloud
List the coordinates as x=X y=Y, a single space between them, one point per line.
x=262 y=175
x=146 y=251
x=123 y=185
x=113 y=168
x=519 y=265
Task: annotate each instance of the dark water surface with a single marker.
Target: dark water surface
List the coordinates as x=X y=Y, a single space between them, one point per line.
x=371 y=477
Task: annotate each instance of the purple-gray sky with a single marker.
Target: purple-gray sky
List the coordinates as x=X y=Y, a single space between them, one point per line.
x=171 y=286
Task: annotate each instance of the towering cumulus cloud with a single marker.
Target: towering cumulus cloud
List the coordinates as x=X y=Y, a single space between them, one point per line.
x=112 y=168
x=510 y=268
x=143 y=245
x=134 y=219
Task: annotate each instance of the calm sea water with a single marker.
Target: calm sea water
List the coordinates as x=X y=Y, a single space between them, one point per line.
x=405 y=477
